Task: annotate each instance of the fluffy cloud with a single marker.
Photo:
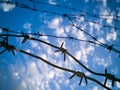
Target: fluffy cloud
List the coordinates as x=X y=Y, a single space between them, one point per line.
x=104 y=3
x=118 y=84
x=51 y=2
x=7 y=7
x=102 y=61
x=95 y=88
x=27 y=26
x=111 y=36
x=55 y=24
x=0 y=30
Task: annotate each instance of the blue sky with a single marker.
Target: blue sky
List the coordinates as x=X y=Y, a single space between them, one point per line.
x=22 y=72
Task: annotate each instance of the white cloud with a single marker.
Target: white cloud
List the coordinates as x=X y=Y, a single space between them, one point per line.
x=105 y=3
x=35 y=44
x=95 y=88
x=27 y=50
x=0 y=30
x=79 y=34
x=97 y=27
x=84 y=51
x=78 y=55
x=105 y=11
x=52 y=2
x=27 y=26
x=55 y=24
x=87 y=73
x=67 y=28
x=102 y=61
x=59 y=31
x=90 y=49
x=7 y=7
x=86 y=1
x=109 y=84
x=57 y=86
x=44 y=38
x=102 y=40
x=111 y=36
x=67 y=82
x=110 y=20
x=51 y=74
x=118 y=84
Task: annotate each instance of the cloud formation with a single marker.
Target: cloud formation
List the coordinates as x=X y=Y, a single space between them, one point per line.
x=7 y=7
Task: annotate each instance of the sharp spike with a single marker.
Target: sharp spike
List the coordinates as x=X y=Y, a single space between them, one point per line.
x=86 y=81
x=72 y=76
x=105 y=81
x=62 y=44
x=64 y=57
x=57 y=50
x=24 y=40
x=105 y=70
x=80 y=81
x=113 y=83
x=13 y=52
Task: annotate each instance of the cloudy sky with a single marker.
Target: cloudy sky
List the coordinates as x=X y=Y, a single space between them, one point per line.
x=99 y=18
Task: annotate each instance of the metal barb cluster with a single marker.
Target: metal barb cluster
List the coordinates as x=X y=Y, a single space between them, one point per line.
x=110 y=77
x=25 y=37
x=64 y=51
x=110 y=47
x=7 y=47
x=81 y=75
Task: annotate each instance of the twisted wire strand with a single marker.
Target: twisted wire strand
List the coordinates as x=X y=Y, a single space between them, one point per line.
x=35 y=39
x=83 y=13
x=45 y=11
x=64 y=15
x=108 y=47
x=55 y=66
x=54 y=13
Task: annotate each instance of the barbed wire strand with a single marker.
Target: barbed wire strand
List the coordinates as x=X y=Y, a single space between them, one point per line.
x=24 y=6
x=83 y=13
x=54 y=13
x=94 y=38
x=64 y=15
x=59 y=48
x=53 y=65
x=108 y=47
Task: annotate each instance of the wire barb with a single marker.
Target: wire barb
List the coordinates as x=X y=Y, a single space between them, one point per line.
x=110 y=47
x=64 y=51
x=110 y=77
x=7 y=47
x=81 y=75
x=25 y=37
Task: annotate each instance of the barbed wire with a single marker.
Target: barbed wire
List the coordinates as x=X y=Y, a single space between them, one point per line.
x=54 y=13
x=108 y=47
x=95 y=22
x=64 y=15
x=27 y=36
x=82 y=13
x=63 y=50
x=77 y=73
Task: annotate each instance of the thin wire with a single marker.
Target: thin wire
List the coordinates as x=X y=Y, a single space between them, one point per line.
x=64 y=15
x=72 y=38
x=94 y=22
x=35 y=39
x=74 y=9
x=56 y=66
x=54 y=13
